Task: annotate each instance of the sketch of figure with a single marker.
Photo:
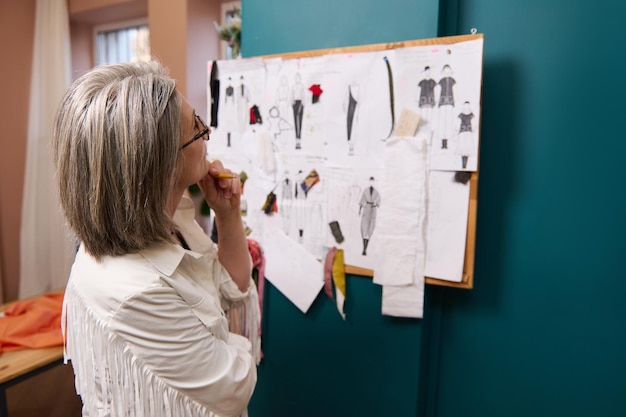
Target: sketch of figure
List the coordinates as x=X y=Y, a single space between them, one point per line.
x=286 y=199
x=343 y=200
x=465 y=146
x=230 y=110
x=298 y=108
x=243 y=105
x=370 y=201
x=282 y=97
x=299 y=208
x=426 y=99
x=351 y=108
x=446 y=105
x=277 y=125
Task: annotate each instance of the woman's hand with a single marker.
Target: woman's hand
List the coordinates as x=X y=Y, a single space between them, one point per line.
x=222 y=194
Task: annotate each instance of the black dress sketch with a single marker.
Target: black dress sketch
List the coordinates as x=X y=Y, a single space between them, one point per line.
x=370 y=201
x=465 y=146
x=446 y=105
x=391 y=97
x=243 y=105
x=229 y=110
x=426 y=100
x=300 y=206
x=351 y=107
x=298 y=108
x=214 y=84
x=286 y=197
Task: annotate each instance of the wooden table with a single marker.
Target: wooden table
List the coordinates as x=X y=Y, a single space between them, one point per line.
x=18 y=365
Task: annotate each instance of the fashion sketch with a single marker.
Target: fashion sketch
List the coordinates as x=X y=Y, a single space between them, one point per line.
x=426 y=99
x=351 y=106
x=446 y=105
x=391 y=97
x=243 y=105
x=286 y=201
x=277 y=125
x=465 y=146
x=300 y=206
x=278 y=113
x=230 y=110
x=282 y=96
x=298 y=108
x=368 y=206
x=341 y=210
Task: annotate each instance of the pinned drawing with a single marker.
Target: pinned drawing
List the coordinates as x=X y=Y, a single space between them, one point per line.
x=230 y=111
x=446 y=105
x=278 y=124
x=465 y=146
x=370 y=201
x=392 y=102
x=286 y=201
x=243 y=105
x=351 y=108
x=298 y=108
x=426 y=98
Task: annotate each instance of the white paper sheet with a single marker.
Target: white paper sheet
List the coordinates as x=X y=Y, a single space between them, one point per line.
x=296 y=273
x=446 y=226
x=442 y=84
x=400 y=229
x=352 y=210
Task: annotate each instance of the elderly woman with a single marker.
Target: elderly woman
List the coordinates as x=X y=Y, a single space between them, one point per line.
x=145 y=328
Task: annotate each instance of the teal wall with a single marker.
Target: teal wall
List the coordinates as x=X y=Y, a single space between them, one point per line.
x=277 y=26
x=542 y=332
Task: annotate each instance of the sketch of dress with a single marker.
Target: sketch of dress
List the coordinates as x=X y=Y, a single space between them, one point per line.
x=446 y=105
x=286 y=199
x=465 y=146
x=282 y=96
x=243 y=106
x=298 y=108
x=342 y=203
x=426 y=100
x=300 y=206
x=368 y=206
x=351 y=107
x=230 y=111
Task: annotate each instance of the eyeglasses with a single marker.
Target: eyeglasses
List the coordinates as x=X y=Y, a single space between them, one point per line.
x=205 y=131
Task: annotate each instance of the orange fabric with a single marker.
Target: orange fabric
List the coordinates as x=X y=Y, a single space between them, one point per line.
x=34 y=323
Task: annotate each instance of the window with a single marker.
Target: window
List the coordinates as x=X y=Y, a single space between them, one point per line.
x=122 y=42
x=228 y=14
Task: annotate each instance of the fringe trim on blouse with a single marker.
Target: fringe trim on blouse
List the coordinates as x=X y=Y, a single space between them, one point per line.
x=244 y=318
x=123 y=386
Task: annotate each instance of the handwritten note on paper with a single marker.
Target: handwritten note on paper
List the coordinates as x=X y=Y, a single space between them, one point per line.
x=407 y=124
x=296 y=273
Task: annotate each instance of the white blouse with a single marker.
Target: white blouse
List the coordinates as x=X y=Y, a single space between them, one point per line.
x=147 y=336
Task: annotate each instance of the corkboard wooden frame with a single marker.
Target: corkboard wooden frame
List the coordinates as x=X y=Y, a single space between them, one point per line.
x=467 y=281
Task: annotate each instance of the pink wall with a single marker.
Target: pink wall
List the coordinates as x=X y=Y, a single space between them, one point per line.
x=17 y=19
x=182 y=37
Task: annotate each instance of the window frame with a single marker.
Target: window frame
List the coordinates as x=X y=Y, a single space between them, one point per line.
x=107 y=27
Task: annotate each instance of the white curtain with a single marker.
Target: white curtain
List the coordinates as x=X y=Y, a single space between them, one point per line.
x=46 y=246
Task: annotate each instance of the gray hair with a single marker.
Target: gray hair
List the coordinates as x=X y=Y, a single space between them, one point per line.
x=116 y=140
